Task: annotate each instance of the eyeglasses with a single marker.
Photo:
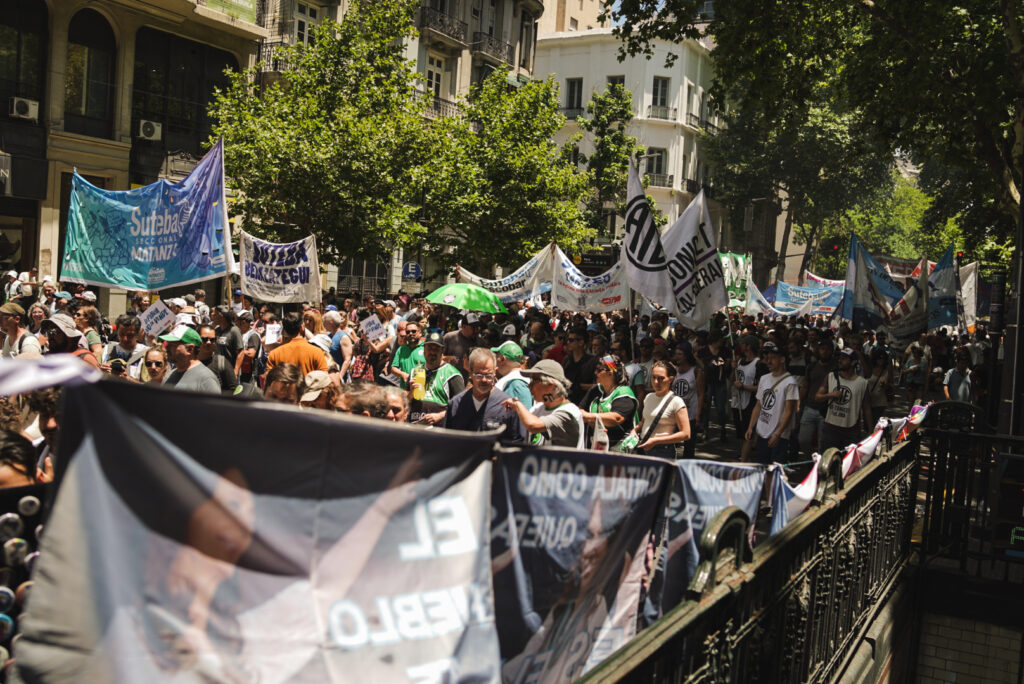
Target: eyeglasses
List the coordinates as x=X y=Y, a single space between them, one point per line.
x=484 y=377
x=154 y=364
x=208 y=339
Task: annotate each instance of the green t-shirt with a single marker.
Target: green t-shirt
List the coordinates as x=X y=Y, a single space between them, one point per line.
x=407 y=358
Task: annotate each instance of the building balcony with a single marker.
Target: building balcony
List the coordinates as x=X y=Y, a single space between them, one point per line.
x=709 y=128
x=660 y=180
x=242 y=18
x=444 y=26
x=692 y=186
x=490 y=47
x=661 y=112
x=693 y=121
x=573 y=113
x=439 y=108
x=269 y=62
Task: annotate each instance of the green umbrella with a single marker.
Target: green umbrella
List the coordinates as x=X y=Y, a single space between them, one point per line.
x=467 y=296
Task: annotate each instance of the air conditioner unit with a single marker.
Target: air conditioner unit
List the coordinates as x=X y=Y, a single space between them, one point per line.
x=150 y=130
x=24 y=108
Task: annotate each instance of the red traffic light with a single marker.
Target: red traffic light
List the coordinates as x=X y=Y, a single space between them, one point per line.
x=959 y=255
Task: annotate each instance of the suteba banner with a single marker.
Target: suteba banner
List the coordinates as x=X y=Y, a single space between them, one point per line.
x=153 y=237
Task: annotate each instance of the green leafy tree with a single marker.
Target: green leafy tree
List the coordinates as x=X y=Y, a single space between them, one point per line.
x=608 y=116
x=498 y=188
x=334 y=145
x=942 y=81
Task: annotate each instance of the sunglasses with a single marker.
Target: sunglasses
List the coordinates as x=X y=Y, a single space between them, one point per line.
x=154 y=364
x=208 y=339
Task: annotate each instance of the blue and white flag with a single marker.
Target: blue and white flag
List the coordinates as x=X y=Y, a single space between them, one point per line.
x=272 y=272
x=150 y=238
x=532 y=279
x=942 y=291
x=788 y=501
x=870 y=291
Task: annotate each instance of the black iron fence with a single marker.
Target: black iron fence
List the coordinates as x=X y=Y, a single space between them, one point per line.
x=797 y=608
x=972 y=518
x=443 y=24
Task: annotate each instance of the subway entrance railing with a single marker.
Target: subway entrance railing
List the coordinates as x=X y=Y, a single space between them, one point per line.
x=795 y=609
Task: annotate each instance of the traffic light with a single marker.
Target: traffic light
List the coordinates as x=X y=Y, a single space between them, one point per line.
x=832 y=246
x=959 y=257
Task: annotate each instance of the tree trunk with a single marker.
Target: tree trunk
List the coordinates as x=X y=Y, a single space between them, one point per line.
x=805 y=262
x=781 y=270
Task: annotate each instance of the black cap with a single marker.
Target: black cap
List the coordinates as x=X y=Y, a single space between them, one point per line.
x=434 y=338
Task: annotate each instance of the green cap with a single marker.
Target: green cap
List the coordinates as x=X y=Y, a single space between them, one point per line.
x=510 y=350
x=183 y=333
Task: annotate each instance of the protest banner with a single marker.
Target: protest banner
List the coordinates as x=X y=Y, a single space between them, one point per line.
x=824 y=298
x=153 y=237
x=736 y=268
x=373 y=328
x=788 y=501
x=156 y=318
x=170 y=557
x=573 y=290
x=568 y=542
x=969 y=294
x=825 y=282
x=642 y=254
x=908 y=317
x=756 y=303
x=702 y=490
x=282 y=273
x=529 y=280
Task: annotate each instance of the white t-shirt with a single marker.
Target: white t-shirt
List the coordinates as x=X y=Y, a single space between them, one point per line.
x=746 y=373
x=845 y=411
x=27 y=344
x=773 y=392
x=667 y=425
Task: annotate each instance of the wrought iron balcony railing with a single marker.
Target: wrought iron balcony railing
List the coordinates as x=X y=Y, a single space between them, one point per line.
x=661 y=112
x=692 y=186
x=660 y=180
x=439 y=107
x=572 y=113
x=268 y=58
x=492 y=47
x=693 y=120
x=443 y=24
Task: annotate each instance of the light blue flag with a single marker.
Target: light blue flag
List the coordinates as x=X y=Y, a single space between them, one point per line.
x=942 y=289
x=150 y=238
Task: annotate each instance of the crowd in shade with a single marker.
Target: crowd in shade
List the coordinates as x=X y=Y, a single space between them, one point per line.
x=783 y=389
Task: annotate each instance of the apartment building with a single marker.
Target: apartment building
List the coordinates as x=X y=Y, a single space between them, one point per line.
x=116 y=90
x=571 y=15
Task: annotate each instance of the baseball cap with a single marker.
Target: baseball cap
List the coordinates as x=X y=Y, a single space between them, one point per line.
x=470 y=319
x=508 y=331
x=245 y=315
x=182 y=333
x=88 y=296
x=771 y=348
x=237 y=292
x=177 y=301
x=330 y=307
x=848 y=352
x=13 y=309
x=47 y=278
x=63 y=294
x=510 y=350
x=434 y=338
x=12 y=274
x=313 y=384
x=63 y=323
x=550 y=369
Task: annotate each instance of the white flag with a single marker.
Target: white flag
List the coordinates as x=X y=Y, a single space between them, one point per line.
x=642 y=253
x=969 y=293
x=694 y=269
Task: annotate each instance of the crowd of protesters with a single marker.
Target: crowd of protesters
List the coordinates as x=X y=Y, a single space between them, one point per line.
x=641 y=383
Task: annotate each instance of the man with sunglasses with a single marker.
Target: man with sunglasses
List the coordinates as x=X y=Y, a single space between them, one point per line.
x=209 y=357
x=189 y=373
x=579 y=366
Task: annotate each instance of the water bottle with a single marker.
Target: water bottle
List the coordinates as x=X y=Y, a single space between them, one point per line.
x=600 y=436
x=419 y=377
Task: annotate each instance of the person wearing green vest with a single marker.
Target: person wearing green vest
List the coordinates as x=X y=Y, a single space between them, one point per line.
x=553 y=420
x=612 y=399
x=510 y=378
x=409 y=355
x=444 y=380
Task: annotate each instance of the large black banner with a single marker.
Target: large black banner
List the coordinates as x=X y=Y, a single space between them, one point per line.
x=569 y=540
x=197 y=540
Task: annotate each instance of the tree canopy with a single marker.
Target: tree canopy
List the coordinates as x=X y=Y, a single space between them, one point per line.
x=940 y=81
x=340 y=145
